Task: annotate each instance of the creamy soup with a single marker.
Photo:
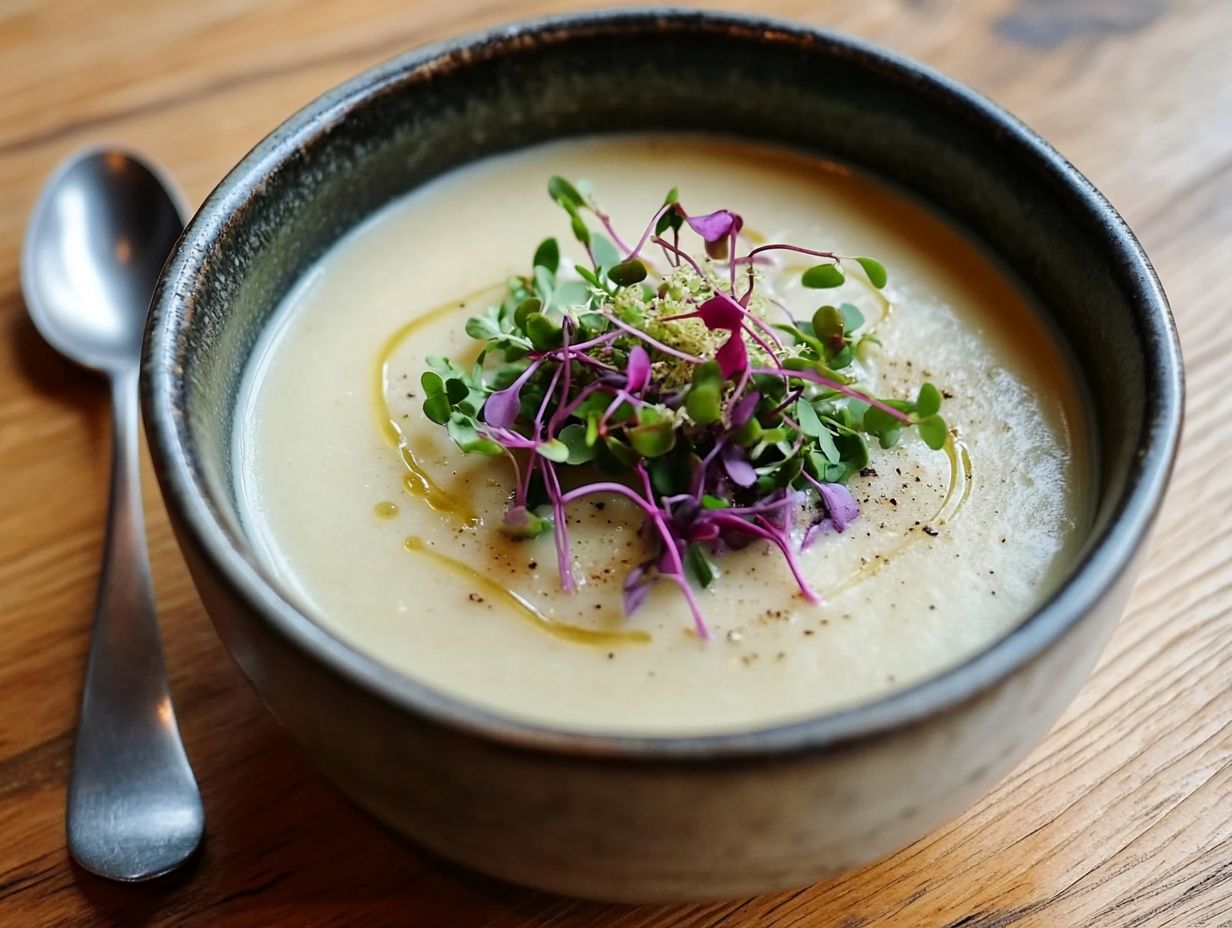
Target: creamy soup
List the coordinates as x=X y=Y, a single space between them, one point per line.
x=386 y=534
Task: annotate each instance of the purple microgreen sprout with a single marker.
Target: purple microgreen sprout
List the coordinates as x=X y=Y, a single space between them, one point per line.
x=669 y=390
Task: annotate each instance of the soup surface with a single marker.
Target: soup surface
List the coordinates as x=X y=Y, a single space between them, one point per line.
x=398 y=552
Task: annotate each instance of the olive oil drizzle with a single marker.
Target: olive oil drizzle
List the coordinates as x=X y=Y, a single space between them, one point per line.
x=417 y=481
x=574 y=633
x=419 y=484
x=960 y=481
x=959 y=486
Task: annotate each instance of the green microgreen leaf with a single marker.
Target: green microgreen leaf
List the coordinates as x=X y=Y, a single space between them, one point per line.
x=592 y=324
x=545 y=284
x=704 y=400
x=467 y=437
x=856 y=409
x=578 y=227
x=748 y=434
x=704 y=404
x=803 y=337
x=483 y=328
x=933 y=431
x=928 y=401
x=571 y=294
x=714 y=502
x=432 y=383
x=852 y=317
x=823 y=276
x=875 y=270
x=437 y=408
x=825 y=441
x=799 y=364
x=807 y=417
x=622 y=413
x=547 y=255
x=605 y=252
x=877 y=420
x=543 y=331
x=594 y=404
x=699 y=565
x=774 y=435
x=437 y=405
x=627 y=273
x=670 y=473
x=554 y=450
x=521 y=522
x=790 y=469
x=564 y=192
x=456 y=389
x=708 y=373
x=529 y=305
x=669 y=220
x=819 y=367
x=853 y=451
x=841 y=358
x=574 y=438
x=505 y=375
x=652 y=436
x=624 y=456
x=828 y=325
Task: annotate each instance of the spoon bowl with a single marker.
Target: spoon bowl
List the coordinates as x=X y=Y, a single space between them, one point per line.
x=96 y=243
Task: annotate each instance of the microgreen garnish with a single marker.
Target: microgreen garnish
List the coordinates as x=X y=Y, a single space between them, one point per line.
x=661 y=375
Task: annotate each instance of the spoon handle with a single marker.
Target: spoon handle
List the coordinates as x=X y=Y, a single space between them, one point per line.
x=134 y=810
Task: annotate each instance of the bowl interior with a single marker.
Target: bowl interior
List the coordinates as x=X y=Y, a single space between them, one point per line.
x=396 y=127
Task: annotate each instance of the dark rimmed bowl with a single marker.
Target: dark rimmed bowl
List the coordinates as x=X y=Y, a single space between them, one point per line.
x=641 y=819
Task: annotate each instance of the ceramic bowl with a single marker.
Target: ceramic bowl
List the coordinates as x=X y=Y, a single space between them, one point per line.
x=665 y=818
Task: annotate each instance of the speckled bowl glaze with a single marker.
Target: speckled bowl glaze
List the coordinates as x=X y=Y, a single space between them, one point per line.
x=626 y=818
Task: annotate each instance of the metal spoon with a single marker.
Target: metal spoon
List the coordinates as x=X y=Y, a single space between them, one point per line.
x=98 y=237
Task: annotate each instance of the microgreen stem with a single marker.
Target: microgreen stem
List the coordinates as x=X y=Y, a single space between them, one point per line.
x=547 y=398
x=560 y=529
x=681 y=254
x=788 y=402
x=837 y=388
x=641 y=242
x=760 y=527
x=567 y=366
x=606 y=221
x=783 y=246
x=761 y=343
x=654 y=516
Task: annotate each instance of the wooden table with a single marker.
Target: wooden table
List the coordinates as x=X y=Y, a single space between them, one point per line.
x=1123 y=817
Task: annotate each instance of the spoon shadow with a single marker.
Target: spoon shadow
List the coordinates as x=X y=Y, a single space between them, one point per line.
x=73 y=389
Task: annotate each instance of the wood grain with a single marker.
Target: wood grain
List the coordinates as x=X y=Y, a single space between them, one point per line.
x=1121 y=818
